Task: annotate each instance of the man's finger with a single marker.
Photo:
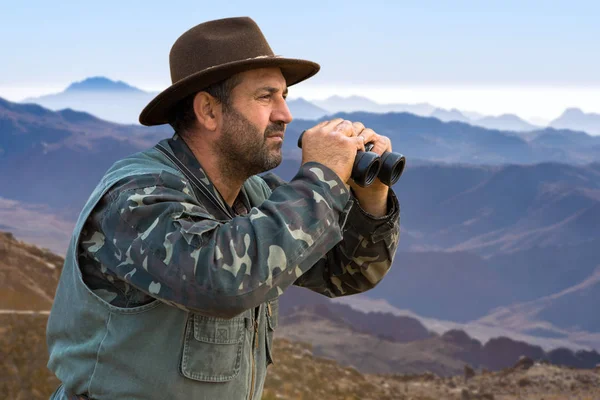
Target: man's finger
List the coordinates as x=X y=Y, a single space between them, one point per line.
x=334 y=122
x=322 y=123
x=346 y=128
x=360 y=143
x=369 y=135
x=358 y=127
x=382 y=145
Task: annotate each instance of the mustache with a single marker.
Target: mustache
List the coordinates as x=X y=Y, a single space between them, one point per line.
x=276 y=127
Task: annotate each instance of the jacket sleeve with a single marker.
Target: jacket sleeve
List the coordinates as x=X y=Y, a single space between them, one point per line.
x=363 y=257
x=158 y=238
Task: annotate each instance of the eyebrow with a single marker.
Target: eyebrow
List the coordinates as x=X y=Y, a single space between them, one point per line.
x=271 y=90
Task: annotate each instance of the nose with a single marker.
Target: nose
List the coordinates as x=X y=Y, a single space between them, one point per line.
x=281 y=112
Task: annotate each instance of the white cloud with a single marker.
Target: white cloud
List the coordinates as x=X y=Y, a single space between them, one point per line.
x=535 y=104
x=532 y=103
x=18 y=93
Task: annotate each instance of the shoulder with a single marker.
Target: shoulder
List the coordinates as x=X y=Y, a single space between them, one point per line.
x=271 y=180
x=144 y=197
x=154 y=182
x=138 y=167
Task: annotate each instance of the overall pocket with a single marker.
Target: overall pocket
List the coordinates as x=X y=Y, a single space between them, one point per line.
x=212 y=348
x=272 y=323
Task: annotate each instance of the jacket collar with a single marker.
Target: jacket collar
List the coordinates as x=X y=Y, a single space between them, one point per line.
x=184 y=154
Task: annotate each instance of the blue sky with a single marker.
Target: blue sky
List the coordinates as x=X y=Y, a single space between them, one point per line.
x=386 y=44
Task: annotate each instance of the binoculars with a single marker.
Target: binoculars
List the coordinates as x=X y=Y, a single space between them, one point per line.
x=368 y=166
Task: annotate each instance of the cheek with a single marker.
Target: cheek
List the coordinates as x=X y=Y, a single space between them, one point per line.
x=262 y=125
x=265 y=119
x=259 y=117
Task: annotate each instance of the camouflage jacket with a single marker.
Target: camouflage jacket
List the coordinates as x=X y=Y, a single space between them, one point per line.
x=208 y=258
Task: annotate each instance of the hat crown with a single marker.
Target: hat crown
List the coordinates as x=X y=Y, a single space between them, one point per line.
x=213 y=51
x=214 y=43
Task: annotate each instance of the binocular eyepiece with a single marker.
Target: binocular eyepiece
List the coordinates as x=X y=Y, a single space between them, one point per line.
x=368 y=166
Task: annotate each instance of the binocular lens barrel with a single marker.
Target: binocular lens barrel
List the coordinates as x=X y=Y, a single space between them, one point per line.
x=392 y=167
x=368 y=166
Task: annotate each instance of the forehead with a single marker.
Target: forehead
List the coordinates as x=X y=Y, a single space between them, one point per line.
x=256 y=78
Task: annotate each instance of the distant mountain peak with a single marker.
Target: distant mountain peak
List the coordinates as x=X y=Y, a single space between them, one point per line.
x=301 y=100
x=573 y=111
x=100 y=83
x=76 y=116
x=576 y=119
x=509 y=117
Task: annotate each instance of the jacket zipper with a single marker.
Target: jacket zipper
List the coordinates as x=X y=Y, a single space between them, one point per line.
x=254 y=346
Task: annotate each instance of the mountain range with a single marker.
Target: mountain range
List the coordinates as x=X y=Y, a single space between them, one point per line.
x=427 y=138
x=516 y=242
x=120 y=102
x=333 y=334
x=574 y=118
x=494 y=245
x=498 y=254
x=110 y=100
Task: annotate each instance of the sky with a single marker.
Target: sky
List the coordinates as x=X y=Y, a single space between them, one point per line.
x=531 y=58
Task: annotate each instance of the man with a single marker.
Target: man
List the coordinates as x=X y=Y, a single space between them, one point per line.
x=171 y=282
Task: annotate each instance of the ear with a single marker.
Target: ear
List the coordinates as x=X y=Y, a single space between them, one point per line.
x=208 y=110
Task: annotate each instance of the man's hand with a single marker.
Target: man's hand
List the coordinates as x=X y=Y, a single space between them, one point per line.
x=373 y=198
x=333 y=144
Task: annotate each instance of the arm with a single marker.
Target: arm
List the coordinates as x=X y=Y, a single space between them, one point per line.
x=363 y=257
x=158 y=238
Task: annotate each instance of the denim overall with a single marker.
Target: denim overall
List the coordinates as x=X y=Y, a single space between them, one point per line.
x=154 y=351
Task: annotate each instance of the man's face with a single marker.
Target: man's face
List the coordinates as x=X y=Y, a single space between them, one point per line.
x=253 y=126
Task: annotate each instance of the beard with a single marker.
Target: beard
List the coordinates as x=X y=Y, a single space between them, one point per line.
x=243 y=149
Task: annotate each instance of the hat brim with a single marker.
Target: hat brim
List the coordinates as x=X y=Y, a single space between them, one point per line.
x=157 y=111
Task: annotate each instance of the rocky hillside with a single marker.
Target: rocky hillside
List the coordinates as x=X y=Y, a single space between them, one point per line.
x=432 y=367
x=23 y=357
x=346 y=336
x=28 y=275
x=298 y=374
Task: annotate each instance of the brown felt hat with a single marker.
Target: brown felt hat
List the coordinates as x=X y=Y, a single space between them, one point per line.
x=216 y=50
